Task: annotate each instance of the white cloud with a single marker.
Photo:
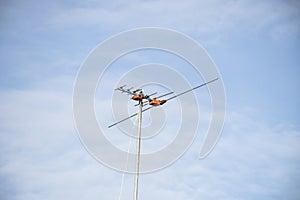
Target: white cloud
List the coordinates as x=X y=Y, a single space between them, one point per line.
x=42 y=158
x=200 y=18
x=251 y=161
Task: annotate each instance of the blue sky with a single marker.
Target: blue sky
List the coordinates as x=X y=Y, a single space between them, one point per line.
x=255 y=45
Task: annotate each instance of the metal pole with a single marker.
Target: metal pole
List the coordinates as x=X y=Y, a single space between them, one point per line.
x=138 y=148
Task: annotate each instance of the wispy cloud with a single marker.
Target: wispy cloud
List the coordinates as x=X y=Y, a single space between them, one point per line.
x=42 y=158
x=251 y=161
x=195 y=17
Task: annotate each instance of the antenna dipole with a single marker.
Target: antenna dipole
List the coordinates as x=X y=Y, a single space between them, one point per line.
x=138 y=150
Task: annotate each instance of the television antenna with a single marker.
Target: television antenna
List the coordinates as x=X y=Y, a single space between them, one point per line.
x=146 y=100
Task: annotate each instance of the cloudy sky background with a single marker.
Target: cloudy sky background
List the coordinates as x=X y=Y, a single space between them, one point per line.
x=255 y=45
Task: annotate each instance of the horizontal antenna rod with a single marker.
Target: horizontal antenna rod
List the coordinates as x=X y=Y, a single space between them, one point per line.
x=192 y=89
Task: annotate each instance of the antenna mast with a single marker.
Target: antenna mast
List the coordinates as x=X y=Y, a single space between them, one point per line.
x=138 y=150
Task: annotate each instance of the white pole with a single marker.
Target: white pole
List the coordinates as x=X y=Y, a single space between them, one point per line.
x=138 y=148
